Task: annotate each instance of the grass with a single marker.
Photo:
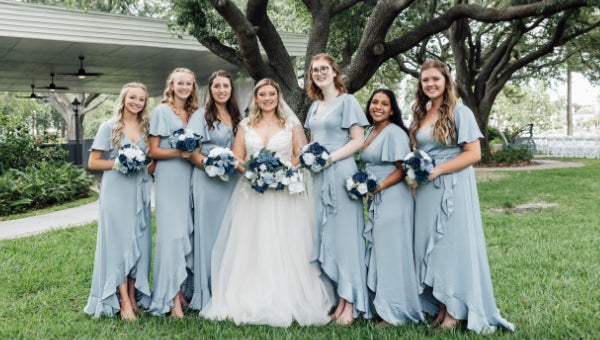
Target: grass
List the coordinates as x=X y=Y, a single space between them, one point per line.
x=545 y=268
x=92 y=196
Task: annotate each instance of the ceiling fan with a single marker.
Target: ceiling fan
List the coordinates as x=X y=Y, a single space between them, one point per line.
x=32 y=96
x=52 y=87
x=81 y=73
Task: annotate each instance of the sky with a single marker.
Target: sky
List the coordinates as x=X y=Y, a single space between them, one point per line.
x=584 y=93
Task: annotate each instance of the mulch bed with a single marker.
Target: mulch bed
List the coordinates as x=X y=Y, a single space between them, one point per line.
x=506 y=165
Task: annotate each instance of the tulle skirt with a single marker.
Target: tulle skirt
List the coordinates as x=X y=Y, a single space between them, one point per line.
x=261 y=271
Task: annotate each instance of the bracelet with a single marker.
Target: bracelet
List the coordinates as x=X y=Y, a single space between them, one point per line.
x=330 y=160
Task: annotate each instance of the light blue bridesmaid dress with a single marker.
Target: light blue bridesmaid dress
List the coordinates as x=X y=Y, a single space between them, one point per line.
x=340 y=247
x=173 y=255
x=391 y=271
x=450 y=255
x=210 y=199
x=124 y=241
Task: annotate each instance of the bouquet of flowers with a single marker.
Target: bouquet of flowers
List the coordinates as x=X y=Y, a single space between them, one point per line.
x=265 y=171
x=417 y=167
x=293 y=180
x=361 y=184
x=130 y=159
x=220 y=162
x=314 y=156
x=185 y=140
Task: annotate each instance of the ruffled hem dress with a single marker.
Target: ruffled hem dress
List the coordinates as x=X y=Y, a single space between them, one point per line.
x=391 y=271
x=210 y=196
x=173 y=257
x=450 y=254
x=261 y=270
x=340 y=246
x=124 y=238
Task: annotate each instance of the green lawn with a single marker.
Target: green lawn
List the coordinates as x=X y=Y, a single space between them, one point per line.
x=545 y=267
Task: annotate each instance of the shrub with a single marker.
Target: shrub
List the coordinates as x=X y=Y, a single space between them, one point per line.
x=41 y=185
x=513 y=156
x=18 y=148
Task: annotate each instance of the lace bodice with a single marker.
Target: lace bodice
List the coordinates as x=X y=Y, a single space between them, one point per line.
x=280 y=142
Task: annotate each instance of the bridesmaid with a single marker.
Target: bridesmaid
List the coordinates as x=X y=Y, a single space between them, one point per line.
x=217 y=124
x=391 y=273
x=173 y=250
x=336 y=121
x=124 y=242
x=450 y=255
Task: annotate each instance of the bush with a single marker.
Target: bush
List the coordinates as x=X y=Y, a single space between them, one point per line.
x=41 y=185
x=18 y=148
x=513 y=156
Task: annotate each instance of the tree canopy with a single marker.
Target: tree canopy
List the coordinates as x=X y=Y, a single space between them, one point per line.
x=488 y=42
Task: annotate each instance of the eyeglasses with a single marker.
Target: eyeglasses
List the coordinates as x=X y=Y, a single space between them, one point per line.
x=322 y=70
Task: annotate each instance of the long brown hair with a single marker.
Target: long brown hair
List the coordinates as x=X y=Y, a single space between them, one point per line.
x=314 y=92
x=255 y=115
x=445 y=125
x=143 y=116
x=232 y=106
x=191 y=104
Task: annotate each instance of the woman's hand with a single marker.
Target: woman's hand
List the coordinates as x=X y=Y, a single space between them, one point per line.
x=152 y=167
x=434 y=174
x=185 y=154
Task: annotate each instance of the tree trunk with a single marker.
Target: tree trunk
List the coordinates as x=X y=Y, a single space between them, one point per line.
x=569 y=102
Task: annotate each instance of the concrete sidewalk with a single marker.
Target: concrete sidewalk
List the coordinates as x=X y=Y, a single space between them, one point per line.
x=65 y=218
x=55 y=220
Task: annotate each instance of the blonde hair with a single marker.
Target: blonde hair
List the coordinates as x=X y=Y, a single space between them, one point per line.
x=445 y=125
x=191 y=104
x=314 y=92
x=255 y=115
x=143 y=116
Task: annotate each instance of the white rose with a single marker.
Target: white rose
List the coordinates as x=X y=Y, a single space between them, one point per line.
x=213 y=171
x=263 y=167
x=362 y=188
x=309 y=158
x=349 y=183
x=296 y=187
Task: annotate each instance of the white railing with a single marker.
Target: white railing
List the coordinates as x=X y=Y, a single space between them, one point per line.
x=583 y=146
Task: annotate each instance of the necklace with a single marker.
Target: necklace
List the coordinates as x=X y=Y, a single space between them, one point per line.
x=375 y=132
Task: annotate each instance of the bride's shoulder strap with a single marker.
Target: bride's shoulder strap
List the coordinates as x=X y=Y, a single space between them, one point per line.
x=244 y=124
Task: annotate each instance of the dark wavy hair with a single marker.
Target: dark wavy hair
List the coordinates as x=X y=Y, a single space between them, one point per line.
x=396 y=116
x=210 y=112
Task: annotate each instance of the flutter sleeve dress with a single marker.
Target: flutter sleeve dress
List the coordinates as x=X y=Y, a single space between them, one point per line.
x=340 y=247
x=124 y=240
x=450 y=254
x=391 y=271
x=210 y=198
x=173 y=257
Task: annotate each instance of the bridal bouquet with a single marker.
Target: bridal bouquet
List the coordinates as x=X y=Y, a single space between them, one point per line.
x=314 y=156
x=185 y=140
x=417 y=167
x=360 y=184
x=293 y=180
x=130 y=159
x=265 y=171
x=220 y=162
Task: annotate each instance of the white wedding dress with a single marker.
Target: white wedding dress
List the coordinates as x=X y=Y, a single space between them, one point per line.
x=261 y=271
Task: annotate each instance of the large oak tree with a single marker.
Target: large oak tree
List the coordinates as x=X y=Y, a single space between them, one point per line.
x=378 y=31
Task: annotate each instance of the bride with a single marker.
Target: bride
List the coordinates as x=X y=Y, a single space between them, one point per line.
x=261 y=271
